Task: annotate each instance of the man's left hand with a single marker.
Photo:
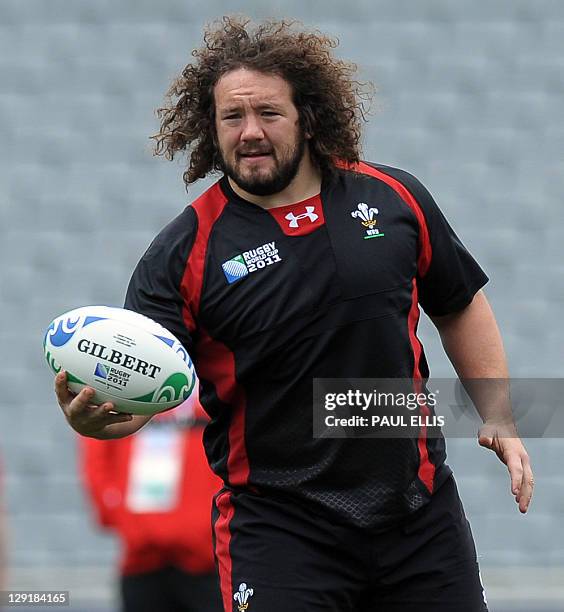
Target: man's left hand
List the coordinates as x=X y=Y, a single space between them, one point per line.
x=507 y=445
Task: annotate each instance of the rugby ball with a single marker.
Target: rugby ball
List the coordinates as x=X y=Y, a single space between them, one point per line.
x=128 y=359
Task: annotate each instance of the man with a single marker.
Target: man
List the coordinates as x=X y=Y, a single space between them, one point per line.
x=303 y=262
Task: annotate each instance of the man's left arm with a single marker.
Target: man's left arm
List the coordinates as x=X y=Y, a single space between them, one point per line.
x=473 y=344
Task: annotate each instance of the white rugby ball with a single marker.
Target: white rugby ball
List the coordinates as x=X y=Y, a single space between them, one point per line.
x=128 y=359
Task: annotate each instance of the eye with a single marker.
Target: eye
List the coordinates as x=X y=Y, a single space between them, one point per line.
x=230 y=115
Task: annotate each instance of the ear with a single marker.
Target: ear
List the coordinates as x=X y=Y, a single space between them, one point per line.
x=307 y=121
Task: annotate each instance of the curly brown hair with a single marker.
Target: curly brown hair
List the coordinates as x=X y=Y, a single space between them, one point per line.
x=330 y=103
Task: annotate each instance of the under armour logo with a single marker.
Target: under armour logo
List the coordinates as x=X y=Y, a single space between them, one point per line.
x=309 y=214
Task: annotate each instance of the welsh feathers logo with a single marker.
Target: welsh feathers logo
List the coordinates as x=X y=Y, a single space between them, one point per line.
x=242 y=597
x=368 y=220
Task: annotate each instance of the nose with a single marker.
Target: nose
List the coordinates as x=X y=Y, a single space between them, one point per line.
x=252 y=129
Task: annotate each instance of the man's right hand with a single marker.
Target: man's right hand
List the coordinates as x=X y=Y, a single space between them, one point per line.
x=91 y=420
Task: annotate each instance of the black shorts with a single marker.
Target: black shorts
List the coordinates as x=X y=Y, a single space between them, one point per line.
x=275 y=556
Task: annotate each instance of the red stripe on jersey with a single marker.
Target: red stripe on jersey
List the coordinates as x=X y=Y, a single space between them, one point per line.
x=426 y=470
x=208 y=208
x=217 y=363
x=301 y=218
x=222 y=542
x=425 y=250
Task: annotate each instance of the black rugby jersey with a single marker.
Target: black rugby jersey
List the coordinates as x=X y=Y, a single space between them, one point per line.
x=267 y=300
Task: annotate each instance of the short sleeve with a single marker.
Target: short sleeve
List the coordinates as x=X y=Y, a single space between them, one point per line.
x=453 y=276
x=155 y=286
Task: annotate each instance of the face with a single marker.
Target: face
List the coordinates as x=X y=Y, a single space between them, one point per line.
x=260 y=140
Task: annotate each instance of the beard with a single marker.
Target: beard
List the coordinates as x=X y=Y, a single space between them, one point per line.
x=260 y=182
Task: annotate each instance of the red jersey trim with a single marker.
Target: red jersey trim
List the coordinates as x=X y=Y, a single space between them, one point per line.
x=222 y=544
x=425 y=249
x=301 y=218
x=426 y=472
x=217 y=363
x=208 y=208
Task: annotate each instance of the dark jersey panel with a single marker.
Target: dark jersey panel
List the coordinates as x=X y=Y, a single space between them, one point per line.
x=368 y=482
x=154 y=288
x=454 y=276
x=373 y=235
x=272 y=288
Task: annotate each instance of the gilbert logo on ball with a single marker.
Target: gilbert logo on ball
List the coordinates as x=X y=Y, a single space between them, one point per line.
x=128 y=359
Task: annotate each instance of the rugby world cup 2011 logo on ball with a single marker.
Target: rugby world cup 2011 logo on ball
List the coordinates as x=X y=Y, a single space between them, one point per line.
x=128 y=359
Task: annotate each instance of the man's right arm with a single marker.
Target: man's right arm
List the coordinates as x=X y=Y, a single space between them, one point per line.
x=87 y=419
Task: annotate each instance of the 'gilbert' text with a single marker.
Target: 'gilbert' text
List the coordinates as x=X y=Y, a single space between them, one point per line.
x=117 y=357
